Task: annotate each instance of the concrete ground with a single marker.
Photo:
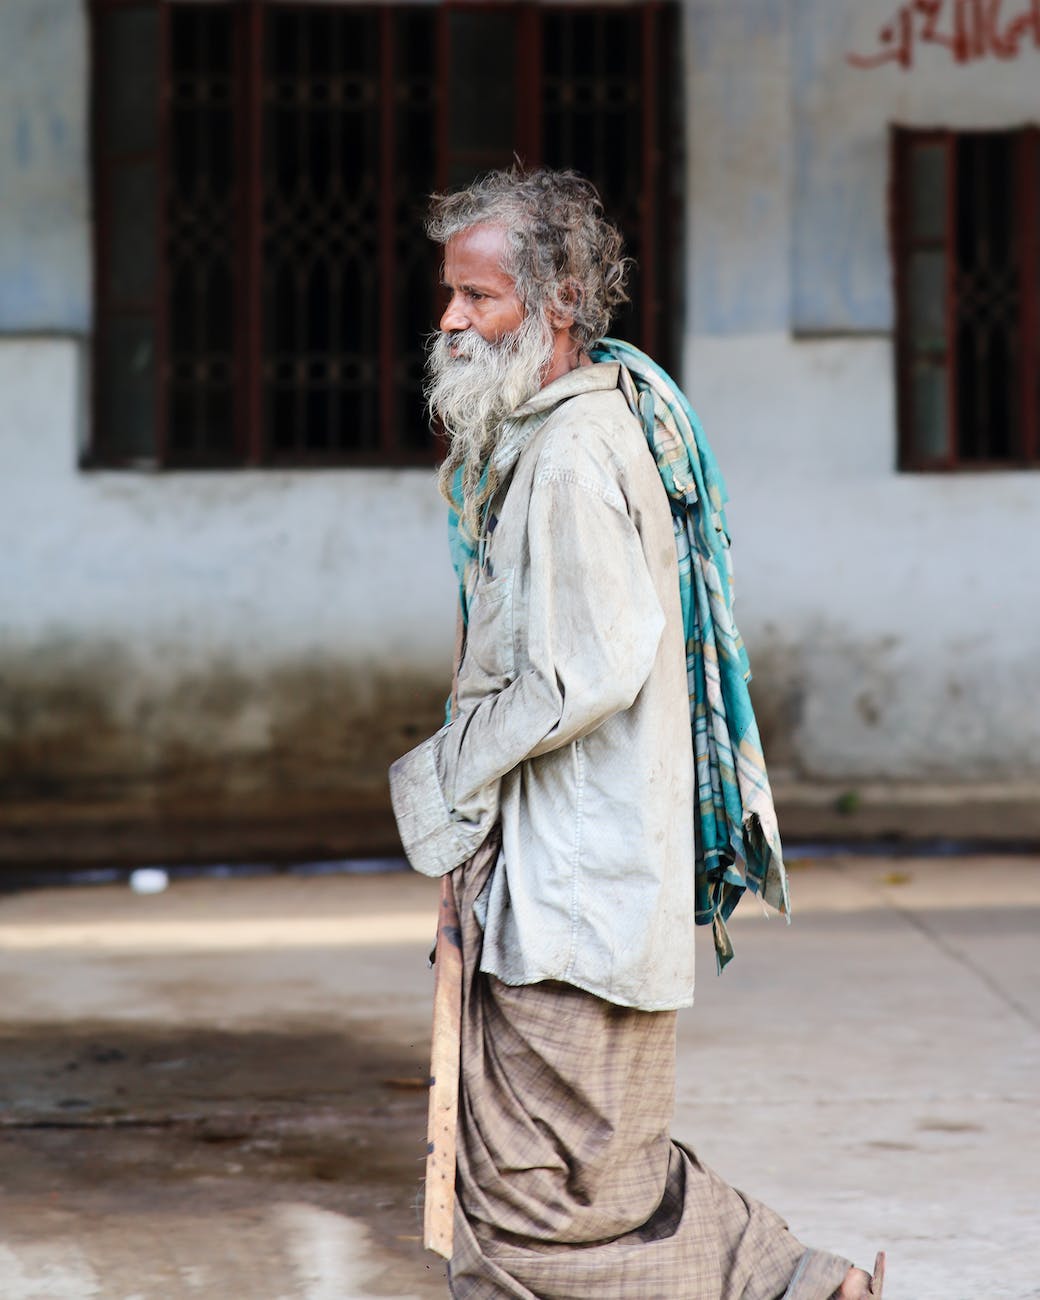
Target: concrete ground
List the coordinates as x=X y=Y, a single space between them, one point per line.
x=217 y=1091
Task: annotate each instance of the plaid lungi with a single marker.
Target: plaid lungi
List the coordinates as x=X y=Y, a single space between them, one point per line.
x=569 y=1186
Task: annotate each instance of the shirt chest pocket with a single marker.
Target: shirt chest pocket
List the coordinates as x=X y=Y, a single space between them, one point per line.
x=490 y=644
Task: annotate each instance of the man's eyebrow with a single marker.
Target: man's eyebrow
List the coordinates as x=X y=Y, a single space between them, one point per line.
x=467 y=288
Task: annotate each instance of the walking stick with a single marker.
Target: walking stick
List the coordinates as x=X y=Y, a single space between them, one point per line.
x=443 y=1115
x=442 y=1121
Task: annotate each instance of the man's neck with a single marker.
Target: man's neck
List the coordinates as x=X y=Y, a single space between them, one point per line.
x=567 y=356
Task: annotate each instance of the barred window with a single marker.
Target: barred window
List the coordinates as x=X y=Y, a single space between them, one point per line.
x=263 y=284
x=967 y=240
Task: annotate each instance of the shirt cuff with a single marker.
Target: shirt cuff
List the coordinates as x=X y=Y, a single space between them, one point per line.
x=428 y=831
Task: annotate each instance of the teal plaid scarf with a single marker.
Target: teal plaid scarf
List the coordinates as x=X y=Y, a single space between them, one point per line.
x=738 y=841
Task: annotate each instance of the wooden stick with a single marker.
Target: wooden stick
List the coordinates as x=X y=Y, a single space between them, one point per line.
x=445 y=1051
x=442 y=1122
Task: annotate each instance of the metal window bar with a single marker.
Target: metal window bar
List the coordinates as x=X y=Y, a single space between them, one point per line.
x=989 y=336
x=249 y=55
x=925 y=362
x=1027 y=205
x=387 y=231
x=650 y=196
x=203 y=370
x=125 y=360
x=161 y=265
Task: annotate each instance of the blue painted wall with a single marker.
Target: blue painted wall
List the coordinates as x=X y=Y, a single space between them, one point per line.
x=738 y=146
x=839 y=245
x=44 y=194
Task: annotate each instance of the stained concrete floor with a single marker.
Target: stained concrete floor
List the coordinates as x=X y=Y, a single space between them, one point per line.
x=217 y=1091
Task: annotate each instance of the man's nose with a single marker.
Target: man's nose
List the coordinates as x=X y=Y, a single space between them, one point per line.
x=454 y=317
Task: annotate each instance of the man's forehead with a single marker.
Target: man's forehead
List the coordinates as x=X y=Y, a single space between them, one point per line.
x=478 y=252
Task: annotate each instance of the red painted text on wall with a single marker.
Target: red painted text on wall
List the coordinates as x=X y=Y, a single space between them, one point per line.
x=968 y=29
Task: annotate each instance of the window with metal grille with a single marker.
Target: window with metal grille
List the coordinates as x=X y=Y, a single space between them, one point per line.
x=967 y=241
x=263 y=284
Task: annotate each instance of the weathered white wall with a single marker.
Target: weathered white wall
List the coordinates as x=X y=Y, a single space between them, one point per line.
x=889 y=616
x=221 y=637
x=217 y=635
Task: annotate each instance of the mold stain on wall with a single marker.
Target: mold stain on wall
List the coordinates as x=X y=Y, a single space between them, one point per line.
x=88 y=729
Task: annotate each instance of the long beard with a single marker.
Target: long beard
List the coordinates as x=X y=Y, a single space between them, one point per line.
x=473 y=394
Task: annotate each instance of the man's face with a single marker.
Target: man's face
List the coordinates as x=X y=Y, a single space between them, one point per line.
x=483 y=297
x=489 y=357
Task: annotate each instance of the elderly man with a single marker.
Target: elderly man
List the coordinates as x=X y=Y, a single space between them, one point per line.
x=569 y=755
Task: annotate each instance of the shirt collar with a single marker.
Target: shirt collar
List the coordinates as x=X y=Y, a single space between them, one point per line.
x=582 y=379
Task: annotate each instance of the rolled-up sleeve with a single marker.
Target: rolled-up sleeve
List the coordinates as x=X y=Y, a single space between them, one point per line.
x=586 y=647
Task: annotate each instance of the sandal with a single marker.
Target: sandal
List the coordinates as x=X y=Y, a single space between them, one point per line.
x=878 y=1280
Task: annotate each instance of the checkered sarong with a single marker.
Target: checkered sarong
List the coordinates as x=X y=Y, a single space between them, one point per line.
x=569 y=1186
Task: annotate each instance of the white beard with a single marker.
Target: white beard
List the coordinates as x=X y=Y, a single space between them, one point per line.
x=474 y=393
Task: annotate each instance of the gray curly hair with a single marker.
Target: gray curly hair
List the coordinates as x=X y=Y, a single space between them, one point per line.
x=563 y=253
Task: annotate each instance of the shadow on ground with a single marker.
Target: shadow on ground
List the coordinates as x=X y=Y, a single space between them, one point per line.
x=136 y=1121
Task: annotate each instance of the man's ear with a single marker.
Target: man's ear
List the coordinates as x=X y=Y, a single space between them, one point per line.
x=561 y=315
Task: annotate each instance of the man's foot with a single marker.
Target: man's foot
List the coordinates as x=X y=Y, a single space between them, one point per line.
x=859 y=1285
x=855 y=1287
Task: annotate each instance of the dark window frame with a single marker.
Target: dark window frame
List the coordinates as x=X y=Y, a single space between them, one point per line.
x=956 y=455
x=658 y=282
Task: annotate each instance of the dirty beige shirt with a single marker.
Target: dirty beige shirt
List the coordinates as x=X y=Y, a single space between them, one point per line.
x=573 y=724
